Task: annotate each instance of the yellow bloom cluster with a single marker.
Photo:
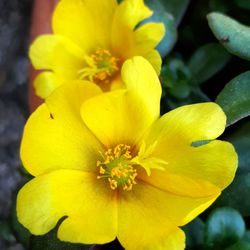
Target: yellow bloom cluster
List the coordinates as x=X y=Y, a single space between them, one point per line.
x=91 y=39
x=107 y=160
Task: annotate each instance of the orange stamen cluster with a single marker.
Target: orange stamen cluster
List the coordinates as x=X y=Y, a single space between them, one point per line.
x=118 y=168
x=101 y=67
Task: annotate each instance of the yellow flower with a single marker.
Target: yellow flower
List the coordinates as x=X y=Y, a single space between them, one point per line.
x=116 y=169
x=91 y=39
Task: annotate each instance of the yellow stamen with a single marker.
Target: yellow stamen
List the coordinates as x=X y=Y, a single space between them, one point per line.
x=118 y=168
x=101 y=67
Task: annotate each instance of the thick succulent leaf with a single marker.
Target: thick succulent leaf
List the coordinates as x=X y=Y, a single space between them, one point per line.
x=207 y=61
x=162 y=15
x=225 y=226
x=195 y=232
x=240 y=138
x=175 y=78
x=246 y=237
x=240 y=246
x=176 y=7
x=234 y=36
x=235 y=98
x=237 y=195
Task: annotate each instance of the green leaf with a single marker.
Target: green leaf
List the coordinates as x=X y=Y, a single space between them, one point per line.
x=235 y=98
x=196 y=96
x=240 y=138
x=175 y=78
x=225 y=226
x=237 y=195
x=239 y=246
x=207 y=61
x=161 y=15
x=194 y=232
x=50 y=241
x=246 y=237
x=170 y=38
x=234 y=36
x=177 y=89
x=176 y=7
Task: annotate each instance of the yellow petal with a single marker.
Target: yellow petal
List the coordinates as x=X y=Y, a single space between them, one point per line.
x=215 y=162
x=55 y=136
x=58 y=54
x=87 y=23
x=142 y=218
x=173 y=241
x=123 y=116
x=143 y=85
x=147 y=37
x=127 y=15
x=179 y=185
x=173 y=134
x=187 y=124
x=155 y=59
x=45 y=83
x=89 y=205
x=154 y=212
x=108 y=116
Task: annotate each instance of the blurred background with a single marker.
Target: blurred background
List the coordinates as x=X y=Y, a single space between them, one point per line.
x=14 y=39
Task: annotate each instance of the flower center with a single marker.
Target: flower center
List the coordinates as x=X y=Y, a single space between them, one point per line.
x=118 y=168
x=101 y=67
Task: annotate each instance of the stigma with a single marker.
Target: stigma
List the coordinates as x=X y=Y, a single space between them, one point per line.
x=100 y=67
x=118 y=168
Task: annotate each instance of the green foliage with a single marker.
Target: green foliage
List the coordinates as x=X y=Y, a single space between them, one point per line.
x=175 y=78
x=246 y=237
x=225 y=226
x=176 y=7
x=177 y=85
x=206 y=61
x=161 y=15
x=235 y=98
x=239 y=246
x=195 y=233
x=237 y=195
x=240 y=138
x=170 y=13
x=235 y=37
